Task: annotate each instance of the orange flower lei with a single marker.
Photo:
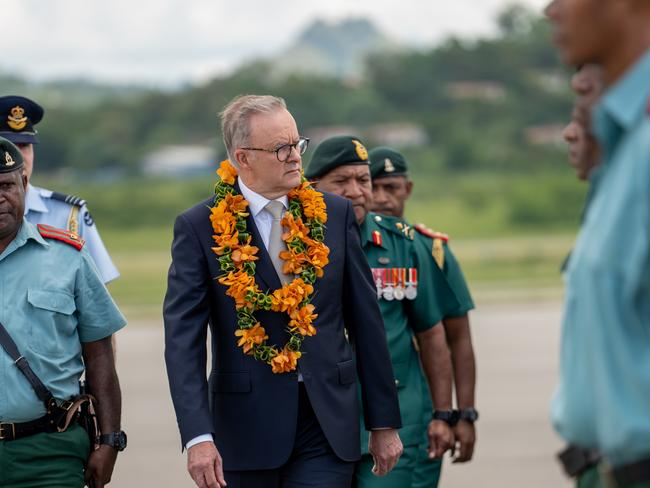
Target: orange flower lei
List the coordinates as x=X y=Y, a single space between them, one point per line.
x=305 y=257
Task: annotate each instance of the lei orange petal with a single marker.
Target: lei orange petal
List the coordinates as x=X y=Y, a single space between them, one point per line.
x=285 y=361
x=237 y=258
x=250 y=337
x=227 y=172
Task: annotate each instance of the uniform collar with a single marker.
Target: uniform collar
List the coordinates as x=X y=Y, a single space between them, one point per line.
x=34 y=201
x=257 y=202
x=369 y=226
x=27 y=232
x=624 y=103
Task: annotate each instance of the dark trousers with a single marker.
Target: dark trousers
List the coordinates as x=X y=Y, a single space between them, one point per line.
x=312 y=463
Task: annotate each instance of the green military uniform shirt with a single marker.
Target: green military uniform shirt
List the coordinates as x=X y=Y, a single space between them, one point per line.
x=51 y=301
x=398 y=273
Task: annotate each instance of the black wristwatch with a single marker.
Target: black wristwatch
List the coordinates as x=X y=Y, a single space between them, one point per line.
x=444 y=415
x=116 y=440
x=468 y=415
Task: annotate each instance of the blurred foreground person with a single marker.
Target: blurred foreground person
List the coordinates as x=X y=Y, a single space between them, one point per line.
x=18 y=117
x=391 y=188
x=584 y=154
x=603 y=400
x=57 y=320
x=276 y=270
x=412 y=302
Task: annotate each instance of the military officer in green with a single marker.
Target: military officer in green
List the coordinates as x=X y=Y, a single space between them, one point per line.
x=409 y=302
x=60 y=316
x=391 y=188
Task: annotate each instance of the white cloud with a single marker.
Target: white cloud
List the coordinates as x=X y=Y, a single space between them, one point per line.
x=168 y=41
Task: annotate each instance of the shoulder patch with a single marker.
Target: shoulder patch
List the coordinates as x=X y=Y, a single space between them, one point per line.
x=424 y=230
x=70 y=238
x=70 y=199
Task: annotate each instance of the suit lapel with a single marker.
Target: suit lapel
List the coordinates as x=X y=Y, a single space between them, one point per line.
x=265 y=273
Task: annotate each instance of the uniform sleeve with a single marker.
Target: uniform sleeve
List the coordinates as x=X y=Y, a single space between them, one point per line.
x=88 y=230
x=435 y=298
x=458 y=284
x=97 y=314
x=186 y=312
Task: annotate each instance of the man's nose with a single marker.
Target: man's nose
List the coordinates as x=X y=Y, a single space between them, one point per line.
x=570 y=133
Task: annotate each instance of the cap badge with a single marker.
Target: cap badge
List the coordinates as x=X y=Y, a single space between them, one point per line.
x=388 y=166
x=9 y=160
x=362 y=152
x=17 y=119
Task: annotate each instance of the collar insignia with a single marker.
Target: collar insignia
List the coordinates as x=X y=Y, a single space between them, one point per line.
x=17 y=119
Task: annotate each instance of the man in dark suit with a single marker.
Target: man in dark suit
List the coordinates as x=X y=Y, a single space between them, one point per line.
x=250 y=425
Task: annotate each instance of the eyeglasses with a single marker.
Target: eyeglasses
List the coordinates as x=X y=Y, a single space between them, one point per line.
x=283 y=152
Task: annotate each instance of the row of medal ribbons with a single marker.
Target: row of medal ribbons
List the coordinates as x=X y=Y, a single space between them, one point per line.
x=396 y=283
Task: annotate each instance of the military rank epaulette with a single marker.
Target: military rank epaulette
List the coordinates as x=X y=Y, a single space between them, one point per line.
x=71 y=199
x=424 y=230
x=70 y=238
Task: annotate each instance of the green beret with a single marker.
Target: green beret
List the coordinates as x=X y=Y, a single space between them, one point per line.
x=334 y=152
x=385 y=161
x=11 y=158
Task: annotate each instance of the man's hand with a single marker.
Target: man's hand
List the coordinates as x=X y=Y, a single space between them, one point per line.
x=100 y=466
x=205 y=466
x=465 y=438
x=441 y=438
x=385 y=446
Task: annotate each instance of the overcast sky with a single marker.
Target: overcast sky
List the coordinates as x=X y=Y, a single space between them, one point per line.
x=164 y=42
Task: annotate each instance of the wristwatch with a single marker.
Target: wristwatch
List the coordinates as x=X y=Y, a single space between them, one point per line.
x=116 y=440
x=468 y=415
x=446 y=416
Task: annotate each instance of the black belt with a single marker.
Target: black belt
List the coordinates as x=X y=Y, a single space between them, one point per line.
x=576 y=460
x=10 y=431
x=631 y=474
x=48 y=423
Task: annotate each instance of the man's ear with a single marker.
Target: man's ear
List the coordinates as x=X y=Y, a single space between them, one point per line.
x=23 y=177
x=241 y=158
x=409 y=188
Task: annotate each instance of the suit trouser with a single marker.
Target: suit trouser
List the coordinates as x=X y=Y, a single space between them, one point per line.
x=45 y=460
x=312 y=464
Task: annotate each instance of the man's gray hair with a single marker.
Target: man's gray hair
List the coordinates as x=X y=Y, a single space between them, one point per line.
x=235 y=118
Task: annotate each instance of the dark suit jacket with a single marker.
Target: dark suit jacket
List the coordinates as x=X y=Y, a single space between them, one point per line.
x=250 y=410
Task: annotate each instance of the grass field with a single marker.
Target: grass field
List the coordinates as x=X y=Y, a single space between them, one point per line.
x=511 y=233
x=497 y=269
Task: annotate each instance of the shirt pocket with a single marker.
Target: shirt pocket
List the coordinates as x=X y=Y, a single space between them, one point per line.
x=52 y=320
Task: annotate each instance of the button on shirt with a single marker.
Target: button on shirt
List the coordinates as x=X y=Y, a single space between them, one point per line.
x=40 y=208
x=51 y=300
x=603 y=399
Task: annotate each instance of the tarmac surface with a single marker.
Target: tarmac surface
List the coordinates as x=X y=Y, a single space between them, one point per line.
x=517 y=355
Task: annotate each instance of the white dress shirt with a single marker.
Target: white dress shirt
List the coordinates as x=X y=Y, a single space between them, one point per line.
x=263 y=221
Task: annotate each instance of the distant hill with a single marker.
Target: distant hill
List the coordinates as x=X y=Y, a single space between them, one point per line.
x=332 y=49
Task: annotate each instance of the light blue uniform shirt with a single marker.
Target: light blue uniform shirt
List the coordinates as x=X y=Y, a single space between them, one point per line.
x=51 y=300
x=603 y=400
x=41 y=208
